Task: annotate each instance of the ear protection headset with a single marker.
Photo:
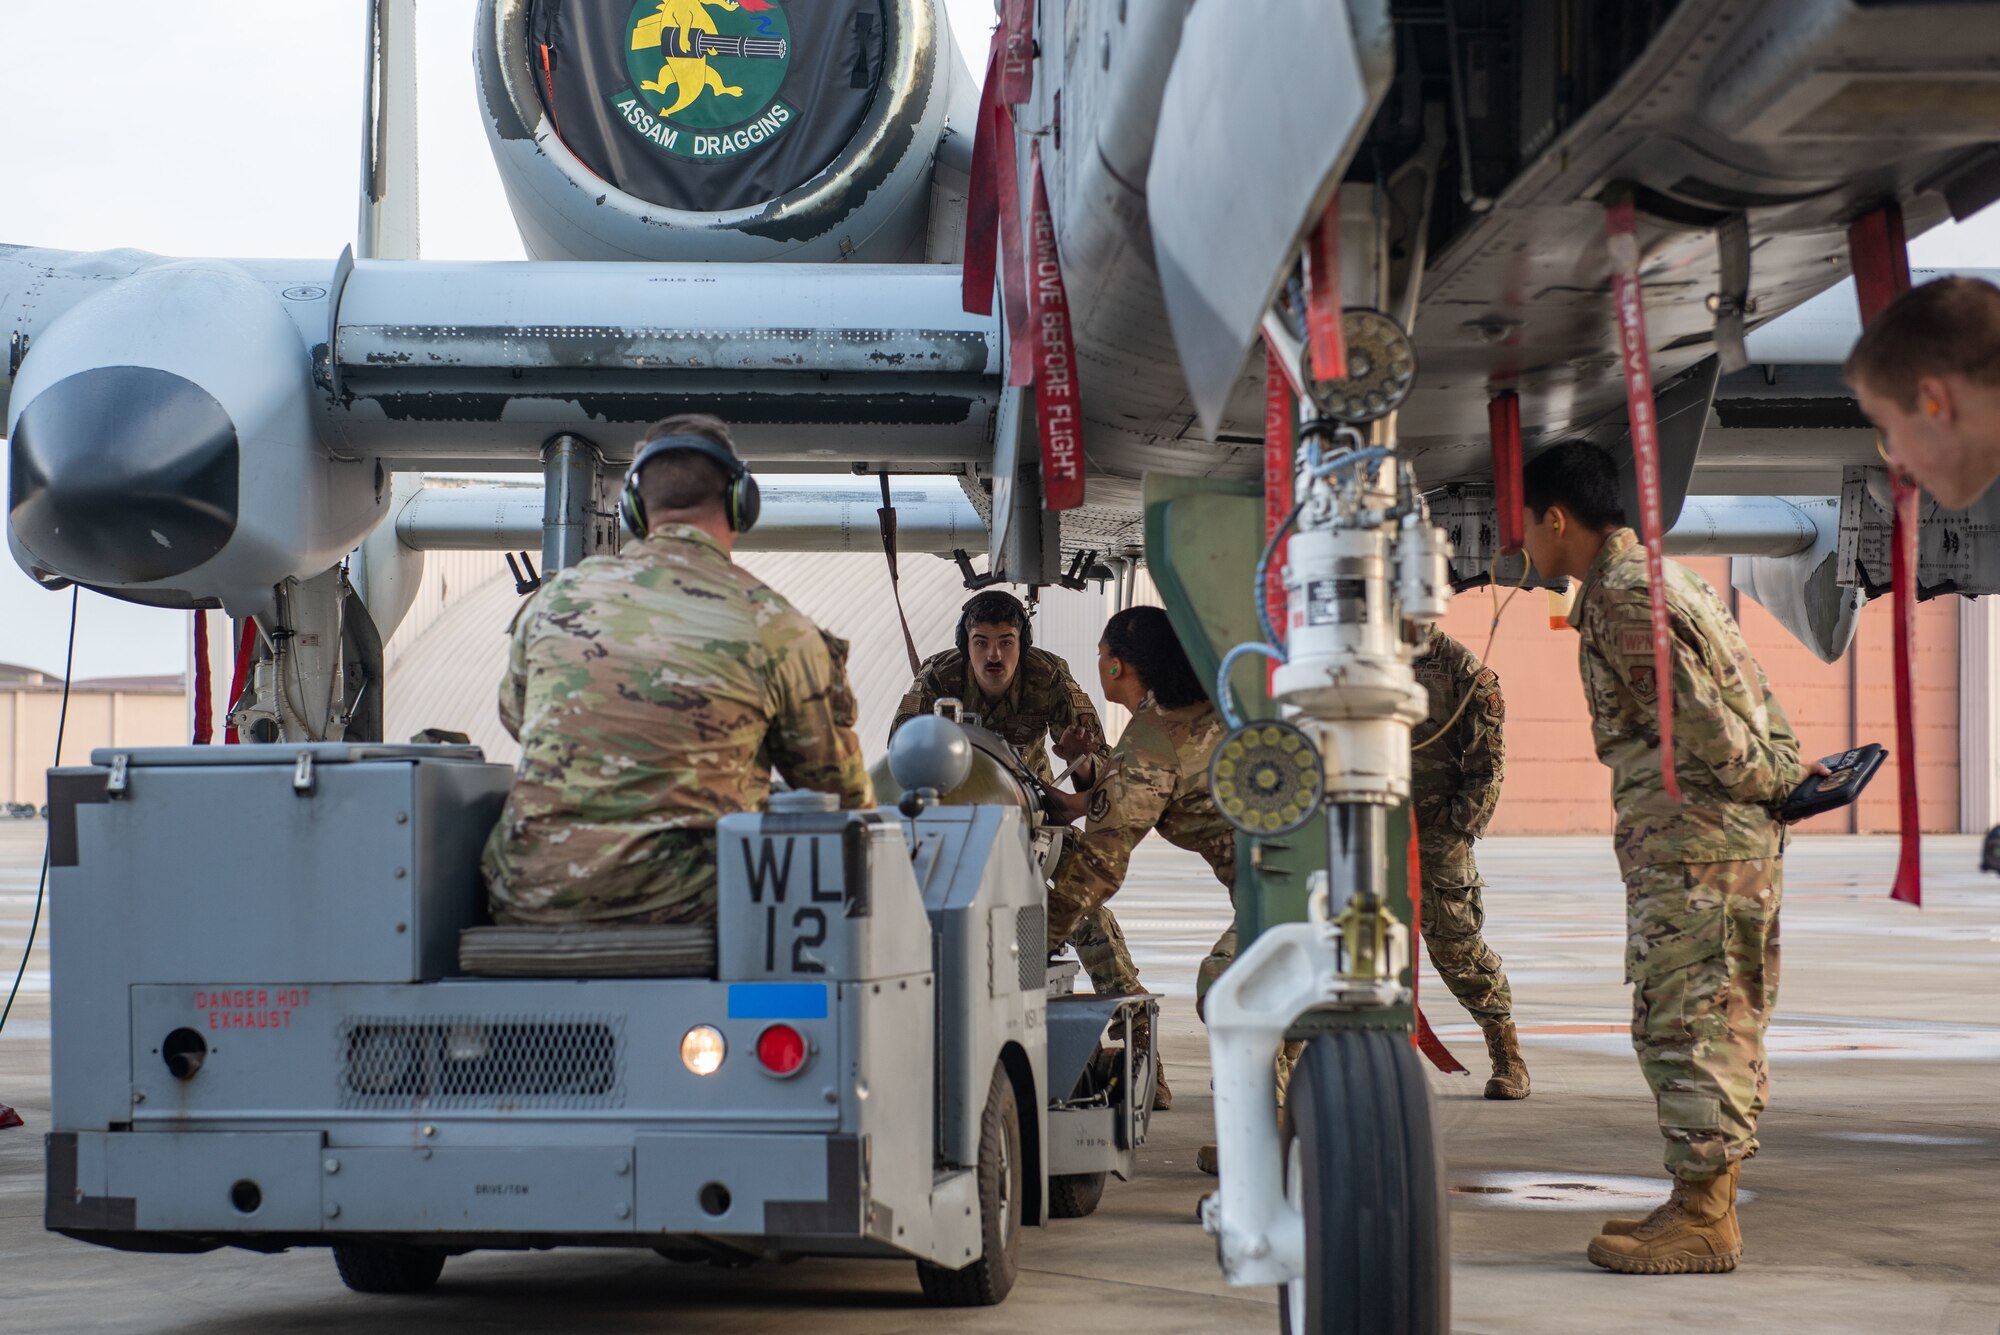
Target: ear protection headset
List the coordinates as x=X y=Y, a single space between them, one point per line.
x=993 y=607
x=741 y=500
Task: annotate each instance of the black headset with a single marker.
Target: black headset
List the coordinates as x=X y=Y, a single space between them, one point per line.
x=741 y=500
x=999 y=608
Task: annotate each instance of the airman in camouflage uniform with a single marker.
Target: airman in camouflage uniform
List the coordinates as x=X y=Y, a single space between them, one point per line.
x=1457 y=761
x=1037 y=700
x=1156 y=779
x=1042 y=699
x=652 y=692
x=1703 y=876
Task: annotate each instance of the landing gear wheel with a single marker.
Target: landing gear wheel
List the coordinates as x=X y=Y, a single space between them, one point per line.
x=1361 y=1164
x=1075 y=1195
x=368 y=1267
x=987 y=1280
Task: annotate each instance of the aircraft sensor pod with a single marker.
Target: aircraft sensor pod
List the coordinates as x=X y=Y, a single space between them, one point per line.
x=695 y=130
x=164 y=448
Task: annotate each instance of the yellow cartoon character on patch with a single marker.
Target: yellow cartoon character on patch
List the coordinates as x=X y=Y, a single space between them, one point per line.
x=677 y=30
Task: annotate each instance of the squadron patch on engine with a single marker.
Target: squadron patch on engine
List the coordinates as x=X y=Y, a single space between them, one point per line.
x=705 y=75
x=710 y=105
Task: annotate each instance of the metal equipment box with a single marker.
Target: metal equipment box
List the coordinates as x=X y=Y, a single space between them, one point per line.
x=252 y=874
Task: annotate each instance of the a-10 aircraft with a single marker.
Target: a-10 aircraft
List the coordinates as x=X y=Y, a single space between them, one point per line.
x=1168 y=278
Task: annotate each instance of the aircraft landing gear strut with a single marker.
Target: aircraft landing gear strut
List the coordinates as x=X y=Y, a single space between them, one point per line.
x=1343 y=1209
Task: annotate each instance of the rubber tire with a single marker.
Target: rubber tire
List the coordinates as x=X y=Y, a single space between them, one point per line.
x=1075 y=1195
x=368 y=1267
x=1378 y=1248
x=988 y=1280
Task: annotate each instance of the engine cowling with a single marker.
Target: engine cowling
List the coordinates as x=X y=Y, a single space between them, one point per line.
x=716 y=129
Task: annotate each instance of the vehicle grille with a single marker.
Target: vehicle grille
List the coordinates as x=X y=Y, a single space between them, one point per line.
x=572 y=1061
x=1031 y=932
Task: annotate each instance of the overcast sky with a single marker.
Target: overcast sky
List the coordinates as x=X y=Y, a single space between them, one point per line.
x=232 y=128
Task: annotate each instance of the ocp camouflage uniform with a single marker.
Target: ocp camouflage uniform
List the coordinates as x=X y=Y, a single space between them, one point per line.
x=1704 y=876
x=1156 y=779
x=1042 y=699
x=1454 y=786
x=653 y=692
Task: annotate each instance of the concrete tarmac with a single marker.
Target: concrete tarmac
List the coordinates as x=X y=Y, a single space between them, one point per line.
x=1873 y=1206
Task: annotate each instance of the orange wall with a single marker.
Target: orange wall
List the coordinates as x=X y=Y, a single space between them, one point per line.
x=1555 y=784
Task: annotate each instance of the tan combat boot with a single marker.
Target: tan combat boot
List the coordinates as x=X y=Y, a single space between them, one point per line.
x=1510 y=1069
x=1618 y=1228
x=1694 y=1233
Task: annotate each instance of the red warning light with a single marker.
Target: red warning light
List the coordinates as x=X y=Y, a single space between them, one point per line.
x=781 y=1049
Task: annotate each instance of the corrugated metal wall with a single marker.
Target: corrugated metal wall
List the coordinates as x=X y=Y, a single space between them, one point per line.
x=1068 y=624
x=449 y=578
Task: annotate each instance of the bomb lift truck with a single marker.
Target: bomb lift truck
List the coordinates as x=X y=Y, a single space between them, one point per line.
x=279 y=1021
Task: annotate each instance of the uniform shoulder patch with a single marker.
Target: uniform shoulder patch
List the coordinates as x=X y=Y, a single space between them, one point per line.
x=1634 y=640
x=1645 y=684
x=1100 y=802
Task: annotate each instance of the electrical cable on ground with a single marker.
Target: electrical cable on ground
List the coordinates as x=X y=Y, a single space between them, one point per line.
x=42 y=885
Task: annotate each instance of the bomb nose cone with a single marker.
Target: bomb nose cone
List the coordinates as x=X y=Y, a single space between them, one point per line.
x=123 y=474
x=930 y=752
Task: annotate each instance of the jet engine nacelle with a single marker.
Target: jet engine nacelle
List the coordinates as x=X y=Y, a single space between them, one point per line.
x=695 y=131
x=163 y=446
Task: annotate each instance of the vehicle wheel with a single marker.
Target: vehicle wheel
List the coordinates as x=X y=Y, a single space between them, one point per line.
x=1361 y=1163
x=1075 y=1195
x=368 y=1267
x=987 y=1280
